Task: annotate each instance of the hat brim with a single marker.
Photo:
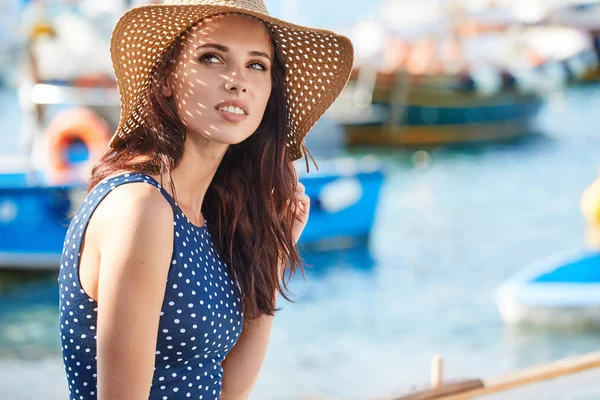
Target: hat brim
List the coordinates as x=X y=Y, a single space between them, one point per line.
x=318 y=62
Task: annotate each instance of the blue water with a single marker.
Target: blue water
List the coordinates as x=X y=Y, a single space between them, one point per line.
x=453 y=224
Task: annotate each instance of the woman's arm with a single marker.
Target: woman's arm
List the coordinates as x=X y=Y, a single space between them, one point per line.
x=134 y=235
x=243 y=363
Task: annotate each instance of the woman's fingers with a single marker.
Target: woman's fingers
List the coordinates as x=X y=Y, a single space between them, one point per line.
x=303 y=208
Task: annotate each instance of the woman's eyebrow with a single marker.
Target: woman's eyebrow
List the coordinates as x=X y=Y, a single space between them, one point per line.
x=220 y=47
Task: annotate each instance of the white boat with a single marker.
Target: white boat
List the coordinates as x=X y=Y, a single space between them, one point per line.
x=560 y=291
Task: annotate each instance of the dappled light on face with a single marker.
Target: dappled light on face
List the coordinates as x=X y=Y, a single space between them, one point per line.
x=222 y=80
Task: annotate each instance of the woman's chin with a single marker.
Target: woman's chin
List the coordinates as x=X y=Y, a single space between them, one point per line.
x=226 y=138
x=234 y=138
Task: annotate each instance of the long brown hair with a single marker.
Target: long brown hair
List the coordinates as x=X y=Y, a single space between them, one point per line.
x=247 y=202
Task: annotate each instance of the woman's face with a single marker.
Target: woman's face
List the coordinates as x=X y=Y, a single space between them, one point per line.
x=222 y=81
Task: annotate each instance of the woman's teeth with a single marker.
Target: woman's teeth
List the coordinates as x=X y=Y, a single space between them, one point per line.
x=233 y=110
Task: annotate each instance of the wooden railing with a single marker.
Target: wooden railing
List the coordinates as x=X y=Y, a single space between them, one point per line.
x=477 y=388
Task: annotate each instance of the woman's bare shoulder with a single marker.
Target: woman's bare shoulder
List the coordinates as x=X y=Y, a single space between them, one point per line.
x=135 y=212
x=133 y=201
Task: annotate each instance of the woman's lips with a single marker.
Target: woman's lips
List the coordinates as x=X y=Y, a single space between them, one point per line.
x=231 y=117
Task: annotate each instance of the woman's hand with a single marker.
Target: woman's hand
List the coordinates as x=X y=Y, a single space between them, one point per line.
x=301 y=209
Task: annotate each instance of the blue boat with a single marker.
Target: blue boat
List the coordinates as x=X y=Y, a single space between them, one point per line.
x=560 y=291
x=33 y=221
x=344 y=195
x=34 y=214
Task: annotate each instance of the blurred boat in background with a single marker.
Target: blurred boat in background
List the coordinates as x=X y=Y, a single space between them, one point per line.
x=344 y=195
x=35 y=212
x=585 y=16
x=561 y=291
x=464 y=79
x=564 y=289
x=34 y=216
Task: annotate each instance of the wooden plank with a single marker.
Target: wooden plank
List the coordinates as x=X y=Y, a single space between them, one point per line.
x=477 y=388
x=531 y=375
x=440 y=392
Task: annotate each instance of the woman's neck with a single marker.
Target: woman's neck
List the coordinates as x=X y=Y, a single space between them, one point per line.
x=193 y=175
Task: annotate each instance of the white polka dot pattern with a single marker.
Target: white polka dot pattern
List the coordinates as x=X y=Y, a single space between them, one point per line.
x=200 y=320
x=318 y=62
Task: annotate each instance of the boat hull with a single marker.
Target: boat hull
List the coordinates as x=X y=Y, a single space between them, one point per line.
x=33 y=221
x=343 y=208
x=34 y=216
x=437 y=135
x=562 y=291
x=448 y=119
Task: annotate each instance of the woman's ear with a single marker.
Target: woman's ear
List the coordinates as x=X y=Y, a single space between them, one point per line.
x=165 y=88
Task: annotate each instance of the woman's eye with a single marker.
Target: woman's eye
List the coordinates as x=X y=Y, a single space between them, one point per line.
x=209 y=58
x=258 y=66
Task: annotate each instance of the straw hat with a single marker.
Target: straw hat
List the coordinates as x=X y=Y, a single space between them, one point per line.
x=318 y=62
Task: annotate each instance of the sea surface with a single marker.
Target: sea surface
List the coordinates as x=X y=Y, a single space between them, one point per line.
x=453 y=224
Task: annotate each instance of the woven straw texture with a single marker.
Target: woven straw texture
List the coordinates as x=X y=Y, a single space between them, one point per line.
x=318 y=62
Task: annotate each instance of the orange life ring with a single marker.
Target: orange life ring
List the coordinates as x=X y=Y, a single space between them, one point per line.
x=68 y=126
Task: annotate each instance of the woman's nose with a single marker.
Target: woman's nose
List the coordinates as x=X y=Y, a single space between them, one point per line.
x=236 y=82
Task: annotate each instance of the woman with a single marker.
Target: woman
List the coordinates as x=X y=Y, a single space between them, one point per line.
x=170 y=293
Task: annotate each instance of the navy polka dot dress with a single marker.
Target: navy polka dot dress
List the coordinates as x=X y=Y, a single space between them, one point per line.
x=200 y=320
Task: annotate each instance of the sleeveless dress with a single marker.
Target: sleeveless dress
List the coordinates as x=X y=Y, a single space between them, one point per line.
x=200 y=319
